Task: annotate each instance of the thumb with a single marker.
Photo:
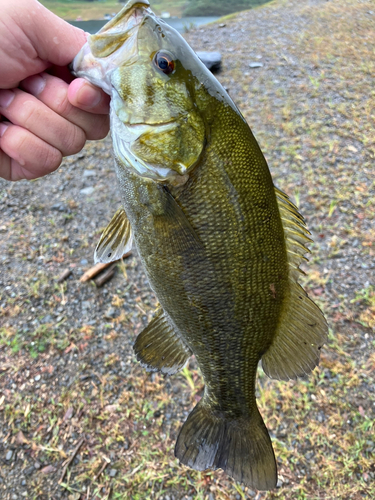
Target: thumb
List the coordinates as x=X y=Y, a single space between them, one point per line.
x=54 y=40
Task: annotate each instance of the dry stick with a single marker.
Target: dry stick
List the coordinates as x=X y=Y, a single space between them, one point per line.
x=106 y=276
x=106 y=462
x=63 y=276
x=93 y=271
x=70 y=460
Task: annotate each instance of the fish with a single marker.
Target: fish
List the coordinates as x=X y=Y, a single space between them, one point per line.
x=220 y=244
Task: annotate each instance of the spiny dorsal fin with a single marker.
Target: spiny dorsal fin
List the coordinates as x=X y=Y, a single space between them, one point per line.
x=302 y=329
x=116 y=239
x=159 y=348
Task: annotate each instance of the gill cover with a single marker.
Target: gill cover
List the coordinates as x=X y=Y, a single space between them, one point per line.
x=140 y=62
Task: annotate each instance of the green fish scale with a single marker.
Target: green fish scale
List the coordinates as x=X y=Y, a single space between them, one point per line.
x=224 y=299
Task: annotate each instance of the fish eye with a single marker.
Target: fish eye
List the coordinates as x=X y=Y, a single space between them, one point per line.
x=164 y=61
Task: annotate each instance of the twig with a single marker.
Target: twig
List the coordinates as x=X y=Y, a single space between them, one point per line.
x=106 y=462
x=70 y=459
x=106 y=276
x=93 y=271
x=63 y=276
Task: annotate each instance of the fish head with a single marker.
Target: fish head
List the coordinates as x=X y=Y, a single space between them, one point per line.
x=152 y=76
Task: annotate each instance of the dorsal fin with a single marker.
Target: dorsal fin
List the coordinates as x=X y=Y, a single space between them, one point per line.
x=160 y=348
x=116 y=239
x=302 y=328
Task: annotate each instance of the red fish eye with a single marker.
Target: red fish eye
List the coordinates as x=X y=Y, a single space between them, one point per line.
x=164 y=61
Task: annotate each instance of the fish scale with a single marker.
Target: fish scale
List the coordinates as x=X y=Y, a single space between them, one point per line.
x=221 y=246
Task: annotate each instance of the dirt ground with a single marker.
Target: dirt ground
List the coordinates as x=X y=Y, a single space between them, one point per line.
x=80 y=419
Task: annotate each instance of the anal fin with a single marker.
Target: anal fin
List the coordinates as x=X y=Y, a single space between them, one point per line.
x=159 y=348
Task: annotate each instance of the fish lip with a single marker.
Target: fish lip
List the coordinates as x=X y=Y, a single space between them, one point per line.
x=161 y=124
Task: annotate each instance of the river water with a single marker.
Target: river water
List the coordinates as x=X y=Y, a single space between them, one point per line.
x=180 y=24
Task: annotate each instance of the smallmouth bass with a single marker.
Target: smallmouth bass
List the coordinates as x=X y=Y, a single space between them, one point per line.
x=221 y=246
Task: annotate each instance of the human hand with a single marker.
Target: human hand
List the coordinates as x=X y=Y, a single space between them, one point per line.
x=47 y=117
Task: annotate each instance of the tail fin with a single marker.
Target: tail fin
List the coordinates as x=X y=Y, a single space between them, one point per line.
x=242 y=448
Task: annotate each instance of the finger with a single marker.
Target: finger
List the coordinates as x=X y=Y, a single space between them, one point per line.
x=85 y=96
x=11 y=170
x=24 y=110
x=53 y=92
x=34 y=38
x=25 y=156
x=54 y=39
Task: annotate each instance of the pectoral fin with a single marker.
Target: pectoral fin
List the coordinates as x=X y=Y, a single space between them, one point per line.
x=159 y=348
x=116 y=239
x=175 y=228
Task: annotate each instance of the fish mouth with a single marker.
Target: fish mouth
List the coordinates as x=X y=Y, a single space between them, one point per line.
x=114 y=43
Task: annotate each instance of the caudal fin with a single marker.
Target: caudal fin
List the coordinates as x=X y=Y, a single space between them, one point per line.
x=242 y=448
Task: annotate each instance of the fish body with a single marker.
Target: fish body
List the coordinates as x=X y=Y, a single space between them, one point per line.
x=219 y=243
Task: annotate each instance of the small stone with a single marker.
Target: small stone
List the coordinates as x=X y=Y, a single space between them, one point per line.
x=89 y=173
x=68 y=414
x=36 y=465
x=112 y=472
x=28 y=471
x=256 y=65
x=23 y=483
x=48 y=469
x=9 y=455
x=110 y=313
x=212 y=60
x=88 y=190
x=222 y=25
x=37 y=378
x=84 y=262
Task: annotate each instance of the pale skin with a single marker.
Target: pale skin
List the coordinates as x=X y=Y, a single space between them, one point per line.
x=45 y=114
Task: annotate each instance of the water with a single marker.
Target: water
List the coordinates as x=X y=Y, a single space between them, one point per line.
x=180 y=24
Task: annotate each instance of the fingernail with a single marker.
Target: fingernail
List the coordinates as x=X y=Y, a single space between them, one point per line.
x=6 y=97
x=89 y=96
x=3 y=127
x=34 y=84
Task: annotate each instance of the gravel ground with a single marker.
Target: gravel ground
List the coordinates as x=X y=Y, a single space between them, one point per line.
x=302 y=74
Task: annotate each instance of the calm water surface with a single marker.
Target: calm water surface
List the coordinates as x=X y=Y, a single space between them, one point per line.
x=180 y=24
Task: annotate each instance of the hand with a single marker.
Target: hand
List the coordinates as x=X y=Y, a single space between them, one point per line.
x=47 y=117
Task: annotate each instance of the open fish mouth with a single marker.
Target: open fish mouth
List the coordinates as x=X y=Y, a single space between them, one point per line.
x=115 y=42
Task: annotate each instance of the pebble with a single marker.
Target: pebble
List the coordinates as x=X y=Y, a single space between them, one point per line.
x=9 y=455
x=112 y=472
x=37 y=378
x=88 y=190
x=29 y=470
x=84 y=262
x=256 y=65
x=89 y=173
